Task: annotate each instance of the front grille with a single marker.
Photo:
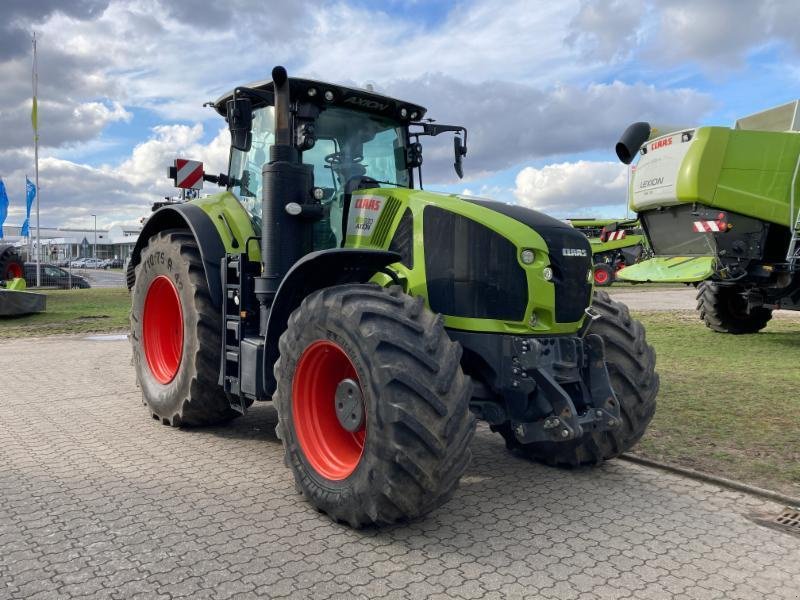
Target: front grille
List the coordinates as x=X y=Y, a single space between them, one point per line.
x=570 y=271
x=385 y=221
x=471 y=270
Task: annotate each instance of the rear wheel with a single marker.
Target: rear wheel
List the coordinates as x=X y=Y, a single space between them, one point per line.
x=603 y=275
x=175 y=332
x=373 y=406
x=724 y=309
x=630 y=361
x=11 y=266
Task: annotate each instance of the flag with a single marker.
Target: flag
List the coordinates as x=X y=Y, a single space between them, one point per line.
x=35 y=116
x=3 y=206
x=30 y=194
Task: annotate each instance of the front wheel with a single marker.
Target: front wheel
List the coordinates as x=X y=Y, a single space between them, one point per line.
x=372 y=404
x=631 y=362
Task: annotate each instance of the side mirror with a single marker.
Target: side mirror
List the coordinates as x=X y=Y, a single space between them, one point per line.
x=240 y=123
x=459 y=150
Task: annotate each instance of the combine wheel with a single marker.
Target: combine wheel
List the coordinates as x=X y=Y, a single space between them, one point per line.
x=373 y=406
x=175 y=332
x=603 y=275
x=724 y=309
x=11 y=266
x=631 y=365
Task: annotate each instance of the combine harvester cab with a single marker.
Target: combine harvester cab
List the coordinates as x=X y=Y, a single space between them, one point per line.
x=719 y=208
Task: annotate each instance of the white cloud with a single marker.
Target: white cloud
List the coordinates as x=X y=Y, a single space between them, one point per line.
x=70 y=191
x=715 y=34
x=571 y=188
x=510 y=124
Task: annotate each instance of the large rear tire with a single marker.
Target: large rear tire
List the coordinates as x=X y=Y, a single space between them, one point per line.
x=11 y=266
x=630 y=361
x=403 y=448
x=175 y=333
x=724 y=309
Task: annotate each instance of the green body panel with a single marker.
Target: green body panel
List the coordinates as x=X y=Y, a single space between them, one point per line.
x=541 y=293
x=16 y=285
x=674 y=269
x=583 y=223
x=230 y=217
x=599 y=247
x=748 y=172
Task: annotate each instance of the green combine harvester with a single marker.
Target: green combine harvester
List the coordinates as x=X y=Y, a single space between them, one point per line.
x=615 y=243
x=381 y=319
x=719 y=207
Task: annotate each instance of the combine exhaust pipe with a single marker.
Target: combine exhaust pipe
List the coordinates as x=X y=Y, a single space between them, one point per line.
x=632 y=139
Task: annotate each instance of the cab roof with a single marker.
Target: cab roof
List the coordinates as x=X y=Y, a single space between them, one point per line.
x=317 y=92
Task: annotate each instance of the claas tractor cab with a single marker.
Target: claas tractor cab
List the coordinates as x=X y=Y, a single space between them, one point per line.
x=719 y=208
x=616 y=244
x=379 y=318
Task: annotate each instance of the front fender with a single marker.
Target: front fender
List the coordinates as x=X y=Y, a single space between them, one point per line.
x=191 y=217
x=313 y=272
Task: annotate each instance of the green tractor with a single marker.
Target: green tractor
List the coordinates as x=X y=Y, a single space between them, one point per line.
x=616 y=244
x=379 y=318
x=719 y=208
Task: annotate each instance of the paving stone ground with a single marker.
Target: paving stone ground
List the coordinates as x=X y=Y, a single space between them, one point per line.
x=97 y=500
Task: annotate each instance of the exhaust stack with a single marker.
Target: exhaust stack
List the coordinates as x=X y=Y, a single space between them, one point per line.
x=284 y=237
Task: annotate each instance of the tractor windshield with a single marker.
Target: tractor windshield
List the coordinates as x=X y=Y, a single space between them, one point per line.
x=245 y=167
x=353 y=150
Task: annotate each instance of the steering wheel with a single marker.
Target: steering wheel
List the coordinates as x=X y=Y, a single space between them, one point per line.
x=336 y=158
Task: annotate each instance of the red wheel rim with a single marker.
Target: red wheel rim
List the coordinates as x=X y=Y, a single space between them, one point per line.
x=162 y=329
x=14 y=271
x=331 y=450
x=600 y=276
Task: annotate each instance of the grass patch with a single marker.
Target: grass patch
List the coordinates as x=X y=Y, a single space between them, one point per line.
x=728 y=404
x=96 y=310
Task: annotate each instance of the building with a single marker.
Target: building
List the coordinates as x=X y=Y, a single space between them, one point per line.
x=63 y=243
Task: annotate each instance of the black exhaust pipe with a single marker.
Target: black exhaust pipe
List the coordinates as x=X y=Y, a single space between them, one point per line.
x=632 y=140
x=284 y=237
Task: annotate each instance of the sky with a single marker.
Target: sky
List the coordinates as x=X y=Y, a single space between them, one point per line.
x=544 y=88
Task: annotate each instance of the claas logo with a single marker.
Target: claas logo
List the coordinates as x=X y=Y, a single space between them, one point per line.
x=368 y=203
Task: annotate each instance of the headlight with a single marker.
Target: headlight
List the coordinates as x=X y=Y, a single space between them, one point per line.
x=527 y=256
x=547 y=273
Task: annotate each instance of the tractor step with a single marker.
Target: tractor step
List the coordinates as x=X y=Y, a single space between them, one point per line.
x=241 y=366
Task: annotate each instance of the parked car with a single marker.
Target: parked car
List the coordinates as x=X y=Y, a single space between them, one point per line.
x=78 y=263
x=92 y=263
x=53 y=276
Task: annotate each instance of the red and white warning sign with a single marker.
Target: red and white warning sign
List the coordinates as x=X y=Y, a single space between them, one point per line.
x=188 y=174
x=616 y=235
x=709 y=226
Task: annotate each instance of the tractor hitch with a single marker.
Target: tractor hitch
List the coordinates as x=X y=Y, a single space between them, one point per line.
x=548 y=388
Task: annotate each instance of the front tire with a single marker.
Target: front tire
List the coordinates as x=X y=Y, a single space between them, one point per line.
x=408 y=444
x=630 y=361
x=724 y=309
x=175 y=333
